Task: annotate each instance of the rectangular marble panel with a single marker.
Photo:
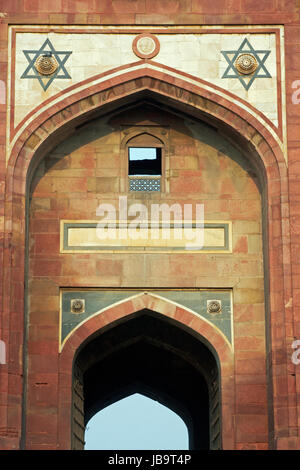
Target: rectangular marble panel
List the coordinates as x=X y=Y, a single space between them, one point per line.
x=85 y=236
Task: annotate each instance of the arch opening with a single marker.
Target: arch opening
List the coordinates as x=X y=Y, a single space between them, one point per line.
x=155 y=357
x=58 y=162
x=136 y=422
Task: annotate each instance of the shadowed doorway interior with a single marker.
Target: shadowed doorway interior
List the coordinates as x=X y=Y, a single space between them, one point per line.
x=157 y=358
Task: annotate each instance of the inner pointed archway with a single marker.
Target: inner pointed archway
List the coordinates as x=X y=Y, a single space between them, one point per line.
x=136 y=422
x=153 y=356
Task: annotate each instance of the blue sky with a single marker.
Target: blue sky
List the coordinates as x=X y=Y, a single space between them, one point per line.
x=139 y=153
x=136 y=423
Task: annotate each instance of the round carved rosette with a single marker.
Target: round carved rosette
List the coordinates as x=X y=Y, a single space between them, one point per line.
x=46 y=65
x=77 y=305
x=214 y=306
x=246 y=64
x=146 y=46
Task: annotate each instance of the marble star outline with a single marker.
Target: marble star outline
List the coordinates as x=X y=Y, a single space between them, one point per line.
x=261 y=57
x=60 y=56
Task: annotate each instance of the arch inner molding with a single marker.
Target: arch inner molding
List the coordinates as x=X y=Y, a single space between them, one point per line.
x=100 y=56
x=77 y=306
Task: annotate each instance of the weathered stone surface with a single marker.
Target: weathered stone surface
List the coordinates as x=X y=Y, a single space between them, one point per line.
x=90 y=169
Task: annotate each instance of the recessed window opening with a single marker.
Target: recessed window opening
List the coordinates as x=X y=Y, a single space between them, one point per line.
x=144 y=168
x=136 y=422
x=144 y=161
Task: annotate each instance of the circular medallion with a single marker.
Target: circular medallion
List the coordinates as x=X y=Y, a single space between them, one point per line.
x=246 y=64
x=77 y=306
x=46 y=64
x=146 y=46
x=214 y=306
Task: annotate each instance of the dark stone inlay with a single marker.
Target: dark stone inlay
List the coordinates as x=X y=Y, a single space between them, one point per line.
x=232 y=71
x=47 y=48
x=96 y=300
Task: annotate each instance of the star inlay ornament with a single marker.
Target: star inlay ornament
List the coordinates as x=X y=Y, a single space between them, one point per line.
x=46 y=64
x=234 y=69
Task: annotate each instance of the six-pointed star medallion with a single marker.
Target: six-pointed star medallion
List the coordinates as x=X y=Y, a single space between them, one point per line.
x=46 y=50
x=246 y=48
x=60 y=57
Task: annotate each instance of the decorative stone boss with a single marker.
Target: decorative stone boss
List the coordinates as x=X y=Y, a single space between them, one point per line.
x=246 y=64
x=46 y=64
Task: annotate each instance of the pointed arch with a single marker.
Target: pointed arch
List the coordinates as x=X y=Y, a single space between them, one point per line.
x=145 y=139
x=214 y=337
x=61 y=119
x=185 y=319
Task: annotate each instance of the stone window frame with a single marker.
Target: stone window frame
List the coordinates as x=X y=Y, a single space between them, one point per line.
x=133 y=137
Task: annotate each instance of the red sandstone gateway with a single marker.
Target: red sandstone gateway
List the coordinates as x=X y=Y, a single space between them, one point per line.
x=163 y=103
